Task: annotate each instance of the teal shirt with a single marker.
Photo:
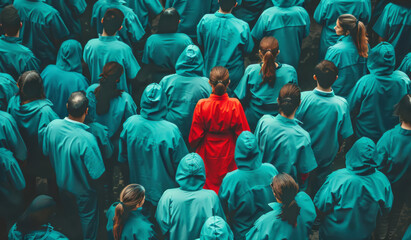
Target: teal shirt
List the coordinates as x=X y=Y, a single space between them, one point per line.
x=270 y=227
x=225 y=40
x=394 y=26
x=325 y=117
x=8 y=88
x=351 y=66
x=327 y=13
x=257 y=99
x=70 y=12
x=375 y=94
x=102 y=50
x=145 y=9
x=245 y=192
x=11 y=177
x=289 y=24
x=136 y=226
x=185 y=88
x=46 y=232
x=132 y=30
x=150 y=142
x=353 y=197
x=42 y=25
x=10 y=137
x=164 y=49
x=215 y=228
x=406 y=65
x=286 y=145
x=102 y=137
x=182 y=212
x=249 y=10
x=393 y=160
x=15 y=59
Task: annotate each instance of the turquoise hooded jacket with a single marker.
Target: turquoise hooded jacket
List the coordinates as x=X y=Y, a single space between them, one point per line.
x=245 y=192
x=151 y=145
x=8 y=88
x=65 y=77
x=145 y=9
x=353 y=197
x=10 y=137
x=215 y=228
x=185 y=88
x=182 y=212
x=46 y=233
x=375 y=94
x=406 y=65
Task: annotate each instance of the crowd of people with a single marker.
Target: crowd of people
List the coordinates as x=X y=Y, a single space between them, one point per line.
x=210 y=147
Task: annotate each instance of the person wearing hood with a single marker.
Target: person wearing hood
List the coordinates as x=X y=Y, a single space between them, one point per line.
x=8 y=88
x=182 y=212
x=145 y=10
x=10 y=137
x=34 y=223
x=73 y=149
x=15 y=59
x=291 y=217
x=259 y=88
x=65 y=77
x=406 y=65
x=375 y=94
x=289 y=24
x=352 y=198
x=185 y=88
x=215 y=228
x=152 y=147
x=327 y=13
x=245 y=192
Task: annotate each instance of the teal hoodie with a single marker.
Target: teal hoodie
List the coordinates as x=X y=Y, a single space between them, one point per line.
x=47 y=232
x=381 y=59
x=215 y=228
x=190 y=63
x=153 y=103
x=191 y=173
x=361 y=157
x=69 y=56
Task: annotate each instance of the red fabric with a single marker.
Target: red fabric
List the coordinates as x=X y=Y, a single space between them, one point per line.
x=217 y=122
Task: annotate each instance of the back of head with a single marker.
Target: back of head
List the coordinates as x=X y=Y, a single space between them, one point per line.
x=132 y=196
x=361 y=157
x=285 y=189
x=216 y=228
x=107 y=90
x=403 y=109
x=169 y=21
x=227 y=5
x=381 y=60
x=289 y=99
x=247 y=152
x=219 y=78
x=10 y=20
x=41 y=209
x=326 y=73
x=69 y=56
x=30 y=86
x=268 y=52
x=190 y=173
x=153 y=102
x=112 y=21
x=77 y=104
x=357 y=31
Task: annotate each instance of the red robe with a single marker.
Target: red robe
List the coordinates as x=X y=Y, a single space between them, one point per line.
x=217 y=122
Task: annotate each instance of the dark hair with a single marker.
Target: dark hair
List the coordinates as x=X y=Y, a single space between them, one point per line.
x=403 y=109
x=77 y=104
x=227 y=5
x=131 y=196
x=285 y=189
x=289 y=98
x=326 y=73
x=112 y=21
x=269 y=50
x=219 y=78
x=10 y=20
x=107 y=90
x=358 y=32
x=30 y=86
x=169 y=20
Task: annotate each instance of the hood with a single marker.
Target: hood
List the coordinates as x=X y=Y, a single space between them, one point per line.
x=360 y=158
x=27 y=111
x=215 y=228
x=191 y=172
x=190 y=63
x=287 y=3
x=381 y=59
x=247 y=153
x=69 y=56
x=153 y=102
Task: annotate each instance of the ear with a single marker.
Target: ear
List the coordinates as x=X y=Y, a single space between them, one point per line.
x=236 y=4
x=278 y=53
x=120 y=28
x=67 y=105
x=102 y=20
x=21 y=24
x=87 y=111
x=336 y=77
x=315 y=77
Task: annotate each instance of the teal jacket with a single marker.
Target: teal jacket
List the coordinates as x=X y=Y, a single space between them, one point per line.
x=10 y=137
x=47 y=232
x=249 y=10
x=145 y=9
x=406 y=65
x=151 y=145
x=245 y=192
x=270 y=227
x=8 y=88
x=185 y=88
x=375 y=94
x=182 y=212
x=215 y=228
x=353 y=197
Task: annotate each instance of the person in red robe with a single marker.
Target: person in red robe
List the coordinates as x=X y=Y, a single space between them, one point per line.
x=217 y=122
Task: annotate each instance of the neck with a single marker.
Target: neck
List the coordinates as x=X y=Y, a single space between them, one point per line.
x=16 y=36
x=104 y=34
x=324 y=89
x=406 y=126
x=289 y=117
x=221 y=11
x=77 y=119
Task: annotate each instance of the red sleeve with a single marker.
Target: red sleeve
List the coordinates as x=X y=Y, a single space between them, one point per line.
x=240 y=120
x=197 y=127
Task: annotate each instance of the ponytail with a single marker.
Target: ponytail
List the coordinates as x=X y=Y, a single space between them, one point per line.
x=290 y=212
x=289 y=99
x=219 y=78
x=268 y=52
x=357 y=31
x=120 y=217
x=107 y=90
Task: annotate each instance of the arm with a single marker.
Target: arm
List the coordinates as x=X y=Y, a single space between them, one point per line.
x=197 y=131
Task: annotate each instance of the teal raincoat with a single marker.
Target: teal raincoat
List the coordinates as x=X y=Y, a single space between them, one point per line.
x=376 y=93
x=182 y=212
x=152 y=146
x=65 y=77
x=406 y=65
x=215 y=228
x=103 y=139
x=8 y=88
x=145 y=9
x=353 y=197
x=46 y=233
x=245 y=192
x=10 y=137
x=249 y=10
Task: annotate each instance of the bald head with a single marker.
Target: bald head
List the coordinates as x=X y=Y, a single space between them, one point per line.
x=77 y=104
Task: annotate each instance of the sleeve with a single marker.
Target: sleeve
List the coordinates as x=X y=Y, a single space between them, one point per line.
x=383 y=158
x=179 y=149
x=307 y=26
x=197 y=131
x=122 y=156
x=94 y=16
x=130 y=64
x=259 y=28
x=58 y=28
x=92 y=158
x=154 y=6
x=333 y=56
x=382 y=26
x=389 y=198
x=365 y=15
x=91 y=114
x=306 y=159
x=406 y=65
x=321 y=12
x=260 y=135
x=15 y=141
x=218 y=209
x=242 y=89
x=45 y=143
x=78 y=7
x=32 y=64
x=346 y=129
x=241 y=123
x=294 y=76
x=254 y=234
x=163 y=215
x=325 y=197
x=248 y=39
x=134 y=28
x=103 y=139
x=146 y=54
x=131 y=107
x=223 y=195
x=15 y=176
x=200 y=30
x=46 y=117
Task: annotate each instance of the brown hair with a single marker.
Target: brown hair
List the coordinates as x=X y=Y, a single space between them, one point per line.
x=403 y=109
x=268 y=53
x=285 y=189
x=107 y=90
x=358 y=32
x=289 y=98
x=219 y=78
x=30 y=87
x=131 y=196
